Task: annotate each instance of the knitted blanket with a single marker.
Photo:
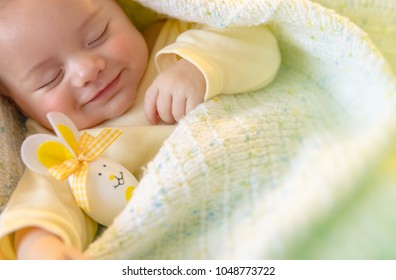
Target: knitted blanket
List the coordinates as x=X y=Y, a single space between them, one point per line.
x=303 y=168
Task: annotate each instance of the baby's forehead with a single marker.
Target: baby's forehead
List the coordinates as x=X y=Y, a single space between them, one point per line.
x=48 y=9
x=30 y=29
x=30 y=18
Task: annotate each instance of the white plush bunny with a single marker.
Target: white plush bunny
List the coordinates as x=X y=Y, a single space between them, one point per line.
x=101 y=187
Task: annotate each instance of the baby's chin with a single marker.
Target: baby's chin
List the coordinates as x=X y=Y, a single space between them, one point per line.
x=99 y=120
x=87 y=124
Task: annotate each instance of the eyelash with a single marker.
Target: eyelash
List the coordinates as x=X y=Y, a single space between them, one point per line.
x=100 y=38
x=55 y=79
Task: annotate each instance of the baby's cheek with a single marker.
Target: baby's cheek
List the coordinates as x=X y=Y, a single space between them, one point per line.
x=39 y=111
x=121 y=48
x=128 y=47
x=54 y=104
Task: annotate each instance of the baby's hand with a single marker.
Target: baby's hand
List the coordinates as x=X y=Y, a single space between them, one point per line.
x=174 y=93
x=38 y=244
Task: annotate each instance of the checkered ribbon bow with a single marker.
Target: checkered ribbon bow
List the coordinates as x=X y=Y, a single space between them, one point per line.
x=88 y=149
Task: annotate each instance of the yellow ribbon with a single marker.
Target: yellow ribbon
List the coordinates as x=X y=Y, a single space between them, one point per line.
x=89 y=148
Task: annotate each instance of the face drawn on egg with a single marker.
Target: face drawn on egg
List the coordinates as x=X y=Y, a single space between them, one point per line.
x=109 y=187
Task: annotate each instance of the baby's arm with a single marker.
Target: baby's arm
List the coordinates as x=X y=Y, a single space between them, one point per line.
x=38 y=244
x=42 y=220
x=215 y=60
x=174 y=93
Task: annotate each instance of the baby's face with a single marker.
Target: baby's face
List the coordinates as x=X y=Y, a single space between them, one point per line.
x=80 y=57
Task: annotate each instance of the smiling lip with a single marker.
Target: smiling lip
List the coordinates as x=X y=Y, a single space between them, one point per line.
x=108 y=90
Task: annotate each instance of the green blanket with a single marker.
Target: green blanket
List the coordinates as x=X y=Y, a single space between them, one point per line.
x=303 y=168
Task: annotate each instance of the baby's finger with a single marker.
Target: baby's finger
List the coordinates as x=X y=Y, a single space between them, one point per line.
x=164 y=108
x=179 y=107
x=150 y=105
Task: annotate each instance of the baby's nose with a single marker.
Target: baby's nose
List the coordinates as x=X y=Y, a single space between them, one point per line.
x=85 y=68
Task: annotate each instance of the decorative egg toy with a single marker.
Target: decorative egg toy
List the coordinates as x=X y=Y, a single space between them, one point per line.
x=109 y=187
x=101 y=187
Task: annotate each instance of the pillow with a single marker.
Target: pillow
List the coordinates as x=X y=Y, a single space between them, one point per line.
x=12 y=133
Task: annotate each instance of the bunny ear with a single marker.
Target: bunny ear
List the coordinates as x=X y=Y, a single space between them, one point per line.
x=42 y=151
x=65 y=130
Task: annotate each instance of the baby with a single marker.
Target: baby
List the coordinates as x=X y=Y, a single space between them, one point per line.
x=86 y=59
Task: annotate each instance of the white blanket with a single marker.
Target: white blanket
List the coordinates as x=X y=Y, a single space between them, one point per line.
x=266 y=174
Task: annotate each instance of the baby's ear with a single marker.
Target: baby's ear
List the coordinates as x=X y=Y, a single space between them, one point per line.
x=42 y=151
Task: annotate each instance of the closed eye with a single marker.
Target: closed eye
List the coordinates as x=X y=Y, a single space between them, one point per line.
x=100 y=38
x=53 y=81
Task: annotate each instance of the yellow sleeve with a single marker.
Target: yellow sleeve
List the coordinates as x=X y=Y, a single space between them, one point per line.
x=44 y=202
x=232 y=59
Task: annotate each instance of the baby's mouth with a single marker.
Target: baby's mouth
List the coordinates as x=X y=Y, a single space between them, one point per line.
x=110 y=87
